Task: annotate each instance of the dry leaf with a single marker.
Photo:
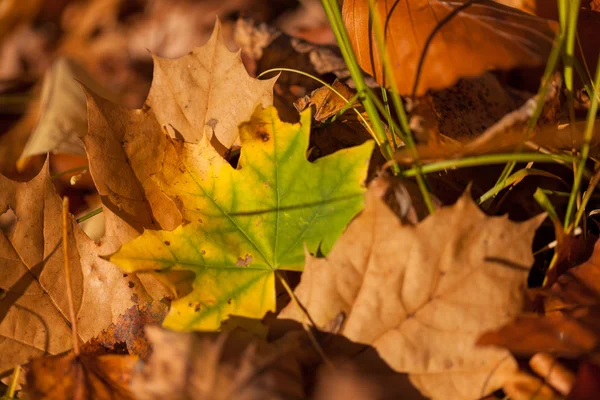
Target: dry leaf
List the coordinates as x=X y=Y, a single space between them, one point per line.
x=570 y=326
x=129 y=331
x=63 y=117
x=123 y=181
x=481 y=37
x=569 y=334
x=34 y=307
x=207 y=91
x=421 y=295
x=80 y=378
x=219 y=366
x=327 y=103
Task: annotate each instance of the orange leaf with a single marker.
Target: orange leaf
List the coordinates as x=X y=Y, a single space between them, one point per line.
x=478 y=38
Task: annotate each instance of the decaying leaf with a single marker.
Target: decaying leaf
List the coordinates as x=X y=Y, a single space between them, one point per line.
x=128 y=332
x=34 y=317
x=481 y=37
x=421 y=295
x=246 y=223
x=230 y=365
x=327 y=103
x=206 y=92
x=84 y=377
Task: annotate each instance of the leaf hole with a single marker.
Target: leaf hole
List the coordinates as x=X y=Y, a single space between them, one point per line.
x=8 y=221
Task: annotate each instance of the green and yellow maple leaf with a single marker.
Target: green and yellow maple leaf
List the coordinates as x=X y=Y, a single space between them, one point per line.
x=247 y=223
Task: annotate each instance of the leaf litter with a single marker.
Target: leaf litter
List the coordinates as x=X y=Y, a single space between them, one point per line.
x=223 y=215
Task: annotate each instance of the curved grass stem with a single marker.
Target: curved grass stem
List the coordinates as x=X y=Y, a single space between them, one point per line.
x=330 y=87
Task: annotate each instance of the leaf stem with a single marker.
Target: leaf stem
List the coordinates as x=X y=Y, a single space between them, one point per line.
x=306 y=327
x=65 y=234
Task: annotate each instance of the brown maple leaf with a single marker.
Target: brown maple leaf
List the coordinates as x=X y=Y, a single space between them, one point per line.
x=207 y=91
x=33 y=309
x=421 y=295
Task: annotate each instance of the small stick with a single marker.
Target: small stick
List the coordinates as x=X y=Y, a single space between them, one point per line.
x=65 y=230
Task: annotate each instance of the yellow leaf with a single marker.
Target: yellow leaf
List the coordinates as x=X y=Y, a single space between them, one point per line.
x=246 y=223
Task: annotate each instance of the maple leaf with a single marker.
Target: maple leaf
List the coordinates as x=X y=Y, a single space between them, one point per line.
x=249 y=222
x=421 y=294
x=510 y=38
x=208 y=91
x=33 y=309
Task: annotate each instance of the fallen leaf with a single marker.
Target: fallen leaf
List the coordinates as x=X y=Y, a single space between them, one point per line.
x=327 y=103
x=129 y=331
x=206 y=92
x=567 y=334
x=577 y=286
x=134 y=141
x=570 y=324
x=34 y=306
x=421 y=295
x=84 y=377
x=480 y=37
x=249 y=222
x=63 y=118
x=224 y=366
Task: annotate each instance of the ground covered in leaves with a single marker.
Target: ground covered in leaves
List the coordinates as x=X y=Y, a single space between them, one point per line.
x=234 y=230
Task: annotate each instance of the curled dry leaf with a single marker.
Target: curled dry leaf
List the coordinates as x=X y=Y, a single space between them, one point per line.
x=230 y=365
x=80 y=377
x=327 y=103
x=33 y=309
x=421 y=295
x=206 y=91
x=481 y=37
